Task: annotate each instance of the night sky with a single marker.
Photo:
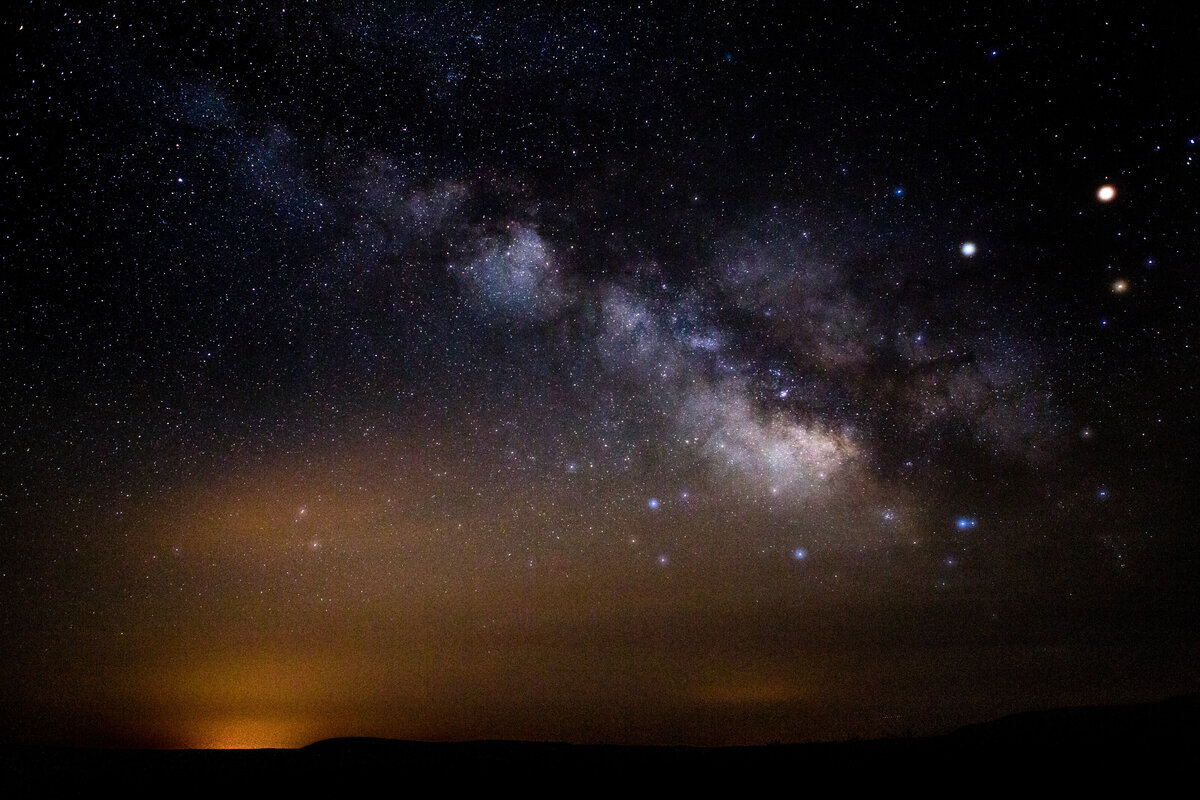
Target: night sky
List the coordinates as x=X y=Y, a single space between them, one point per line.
x=731 y=375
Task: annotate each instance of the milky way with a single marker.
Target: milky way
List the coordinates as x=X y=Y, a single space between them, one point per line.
x=600 y=375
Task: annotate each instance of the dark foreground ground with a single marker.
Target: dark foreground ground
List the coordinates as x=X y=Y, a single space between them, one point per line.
x=1143 y=746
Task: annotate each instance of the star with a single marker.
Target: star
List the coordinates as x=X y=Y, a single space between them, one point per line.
x=968 y=249
x=1106 y=193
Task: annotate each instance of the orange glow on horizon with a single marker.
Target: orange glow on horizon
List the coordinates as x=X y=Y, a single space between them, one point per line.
x=249 y=733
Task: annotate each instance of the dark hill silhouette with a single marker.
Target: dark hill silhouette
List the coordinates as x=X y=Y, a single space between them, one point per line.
x=1072 y=747
x=1159 y=723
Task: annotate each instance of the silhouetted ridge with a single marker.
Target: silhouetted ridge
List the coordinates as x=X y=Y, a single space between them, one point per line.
x=1171 y=721
x=1071 y=747
x=342 y=743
